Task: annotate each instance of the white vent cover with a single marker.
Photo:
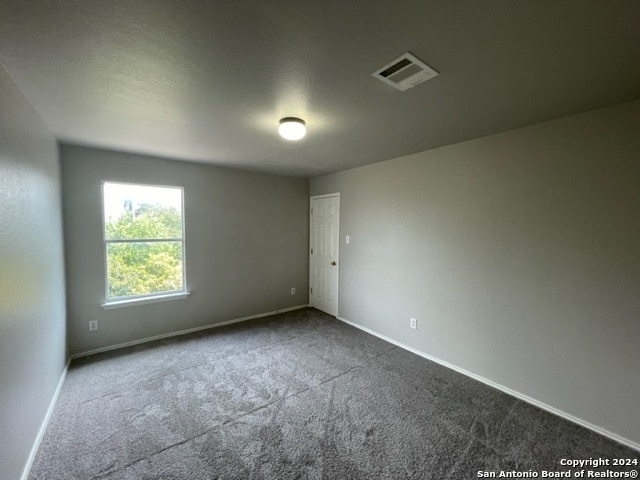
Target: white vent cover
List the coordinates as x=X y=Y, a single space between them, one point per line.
x=405 y=72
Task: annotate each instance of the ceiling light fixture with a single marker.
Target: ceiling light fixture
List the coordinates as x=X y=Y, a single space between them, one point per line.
x=292 y=128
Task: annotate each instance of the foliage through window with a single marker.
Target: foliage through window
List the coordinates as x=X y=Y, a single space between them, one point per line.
x=143 y=240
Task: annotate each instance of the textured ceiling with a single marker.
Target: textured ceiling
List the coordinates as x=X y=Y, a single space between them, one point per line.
x=208 y=81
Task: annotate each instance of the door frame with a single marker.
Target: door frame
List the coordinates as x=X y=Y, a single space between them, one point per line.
x=311 y=198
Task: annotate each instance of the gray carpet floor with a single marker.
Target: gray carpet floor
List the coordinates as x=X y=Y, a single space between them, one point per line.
x=294 y=396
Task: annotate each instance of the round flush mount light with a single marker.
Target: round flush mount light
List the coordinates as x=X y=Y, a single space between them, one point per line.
x=292 y=128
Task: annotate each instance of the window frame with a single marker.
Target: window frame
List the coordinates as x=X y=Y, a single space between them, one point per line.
x=118 y=302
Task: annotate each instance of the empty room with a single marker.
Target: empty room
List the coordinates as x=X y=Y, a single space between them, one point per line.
x=319 y=240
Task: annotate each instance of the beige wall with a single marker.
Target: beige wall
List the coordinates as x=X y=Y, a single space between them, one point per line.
x=32 y=308
x=246 y=240
x=518 y=253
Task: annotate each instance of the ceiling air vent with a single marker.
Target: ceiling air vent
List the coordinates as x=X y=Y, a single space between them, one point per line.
x=405 y=72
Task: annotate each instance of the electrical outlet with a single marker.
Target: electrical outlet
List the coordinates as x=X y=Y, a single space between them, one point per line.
x=293 y=290
x=413 y=323
x=93 y=325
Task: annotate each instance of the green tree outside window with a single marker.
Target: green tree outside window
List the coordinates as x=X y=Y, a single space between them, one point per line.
x=143 y=249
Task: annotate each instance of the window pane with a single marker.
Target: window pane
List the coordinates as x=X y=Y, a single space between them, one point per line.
x=139 y=268
x=133 y=212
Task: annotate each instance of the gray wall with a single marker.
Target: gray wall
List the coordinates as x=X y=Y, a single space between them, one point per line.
x=32 y=307
x=246 y=245
x=519 y=254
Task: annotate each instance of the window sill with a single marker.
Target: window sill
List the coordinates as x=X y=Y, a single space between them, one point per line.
x=143 y=301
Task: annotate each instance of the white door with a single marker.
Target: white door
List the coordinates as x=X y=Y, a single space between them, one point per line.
x=323 y=258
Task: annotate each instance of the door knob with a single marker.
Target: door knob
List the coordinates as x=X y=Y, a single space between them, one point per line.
x=333 y=263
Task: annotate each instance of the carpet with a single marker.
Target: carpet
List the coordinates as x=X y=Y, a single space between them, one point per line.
x=297 y=395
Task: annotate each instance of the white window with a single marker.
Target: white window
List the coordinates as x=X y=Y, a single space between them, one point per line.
x=143 y=241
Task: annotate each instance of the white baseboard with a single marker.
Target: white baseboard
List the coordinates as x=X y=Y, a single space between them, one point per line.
x=513 y=393
x=183 y=332
x=45 y=423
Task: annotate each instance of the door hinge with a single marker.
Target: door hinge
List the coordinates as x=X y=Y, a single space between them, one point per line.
x=311 y=290
x=312 y=251
x=312 y=211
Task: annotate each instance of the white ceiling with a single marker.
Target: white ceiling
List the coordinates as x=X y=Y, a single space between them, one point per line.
x=208 y=81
